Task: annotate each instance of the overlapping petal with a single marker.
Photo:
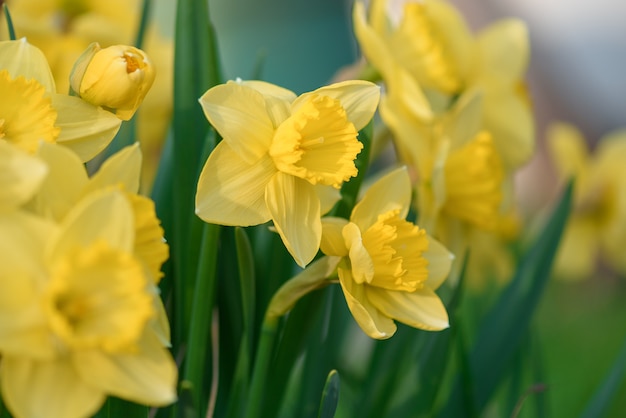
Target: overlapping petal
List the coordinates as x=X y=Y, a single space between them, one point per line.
x=332 y=236
x=21 y=175
x=23 y=59
x=122 y=168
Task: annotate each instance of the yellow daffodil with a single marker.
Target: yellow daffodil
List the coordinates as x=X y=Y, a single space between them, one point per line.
x=597 y=226
x=430 y=43
x=75 y=310
x=390 y=267
x=67 y=182
x=32 y=111
x=116 y=78
x=277 y=149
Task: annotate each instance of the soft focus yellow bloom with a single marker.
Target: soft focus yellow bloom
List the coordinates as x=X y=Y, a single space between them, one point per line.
x=31 y=111
x=430 y=43
x=116 y=78
x=278 y=149
x=390 y=267
x=21 y=176
x=67 y=182
x=76 y=313
x=597 y=226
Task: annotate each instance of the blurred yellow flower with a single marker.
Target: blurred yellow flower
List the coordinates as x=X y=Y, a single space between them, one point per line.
x=277 y=148
x=21 y=176
x=32 y=111
x=390 y=267
x=116 y=78
x=596 y=228
x=429 y=41
x=75 y=310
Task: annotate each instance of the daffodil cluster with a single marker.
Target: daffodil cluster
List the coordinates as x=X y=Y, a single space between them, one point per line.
x=456 y=105
x=80 y=312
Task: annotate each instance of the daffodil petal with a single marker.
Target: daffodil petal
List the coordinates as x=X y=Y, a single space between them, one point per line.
x=332 y=239
x=568 y=150
x=21 y=175
x=105 y=215
x=147 y=376
x=277 y=99
x=23 y=325
x=328 y=196
x=23 y=59
x=360 y=260
x=85 y=129
x=466 y=118
x=123 y=167
x=439 y=263
x=373 y=322
x=578 y=251
x=161 y=325
x=359 y=98
x=372 y=45
x=515 y=142
x=240 y=116
x=49 y=389
x=420 y=309
x=503 y=50
x=390 y=192
x=231 y=191
x=64 y=183
x=295 y=210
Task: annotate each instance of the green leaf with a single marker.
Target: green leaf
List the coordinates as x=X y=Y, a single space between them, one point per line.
x=330 y=396
x=599 y=405
x=501 y=331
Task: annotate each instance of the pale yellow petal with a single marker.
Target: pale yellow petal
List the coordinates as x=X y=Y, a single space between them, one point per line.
x=240 y=116
x=465 y=119
x=371 y=43
x=23 y=59
x=21 y=175
x=147 y=376
x=360 y=259
x=503 y=51
x=439 y=263
x=105 y=215
x=231 y=191
x=122 y=168
x=64 y=184
x=328 y=196
x=578 y=251
x=568 y=150
x=161 y=324
x=358 y=97
x=420 y=309
x=51 y=389
x=390 y=192
x=332 y=239
x=277 y=99
x=85 y=129
x=373 y=322
x=406 y=90
x=295 y=210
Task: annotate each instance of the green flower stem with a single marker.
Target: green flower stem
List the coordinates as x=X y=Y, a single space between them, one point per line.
x=10 y=27
x=201 y=314
x=261 y=366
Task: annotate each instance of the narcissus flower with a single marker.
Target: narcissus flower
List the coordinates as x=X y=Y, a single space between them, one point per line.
x=76 y=313
x=116 y=78
x=279 y=151
x=596 y=228
x=390 y=268
x=31 y=111
x=431 y=44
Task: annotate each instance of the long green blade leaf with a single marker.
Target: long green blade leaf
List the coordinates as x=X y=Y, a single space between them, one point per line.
x=330 y=396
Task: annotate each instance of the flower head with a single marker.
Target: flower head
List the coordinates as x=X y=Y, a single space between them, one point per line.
x=278 y=150
x=390 y=267
x=116 y=78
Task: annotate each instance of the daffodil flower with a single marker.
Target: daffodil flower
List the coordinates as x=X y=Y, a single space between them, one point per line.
x=75 y=309
x=596 y=229
x=31 y=111
x=390 y=268
x=278 y=151
x=430 y=42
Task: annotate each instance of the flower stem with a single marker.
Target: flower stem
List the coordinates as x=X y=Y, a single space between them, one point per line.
x=10 y=27
x=261 y=366
x=143 y=23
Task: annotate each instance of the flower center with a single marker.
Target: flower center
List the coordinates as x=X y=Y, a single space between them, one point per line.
x=133 y=62
x=473 y=181
x=395 y=247
x=98 y=298
x=26 y=114
x=317 y=143
x=423 y=51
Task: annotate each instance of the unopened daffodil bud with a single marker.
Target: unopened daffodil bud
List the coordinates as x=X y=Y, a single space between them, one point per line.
x=116 y=78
